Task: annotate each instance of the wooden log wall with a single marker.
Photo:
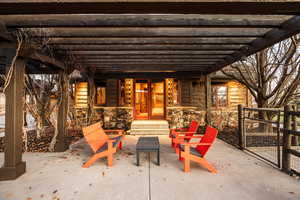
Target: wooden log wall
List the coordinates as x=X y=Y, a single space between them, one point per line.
x=198 y=93
x=81 y=95
x=193 y=94
x=112 y=92
x=185 y=92
x=237 y=94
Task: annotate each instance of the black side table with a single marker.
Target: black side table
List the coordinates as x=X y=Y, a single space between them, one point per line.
x=147 y=144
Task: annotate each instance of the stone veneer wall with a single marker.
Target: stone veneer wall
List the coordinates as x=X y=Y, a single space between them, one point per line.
x=114 y=117
x=182 y=116
x=121 y=117
x=222 y=118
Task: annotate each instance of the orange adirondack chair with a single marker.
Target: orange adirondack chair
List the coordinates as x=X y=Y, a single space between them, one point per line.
x=101 y=144
x=188 y=153
x=183 y=135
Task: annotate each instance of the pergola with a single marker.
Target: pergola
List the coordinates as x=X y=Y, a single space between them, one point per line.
x=133 y=38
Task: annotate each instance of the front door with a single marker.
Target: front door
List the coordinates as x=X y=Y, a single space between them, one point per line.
x=149 y=99
x=141 y=103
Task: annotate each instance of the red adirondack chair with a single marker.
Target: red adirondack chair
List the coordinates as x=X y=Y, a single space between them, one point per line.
x=101 y=144
x=183 y=135
x=189 y=153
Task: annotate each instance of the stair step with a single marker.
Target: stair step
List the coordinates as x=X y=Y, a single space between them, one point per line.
x=149 y=127
x=149 y=132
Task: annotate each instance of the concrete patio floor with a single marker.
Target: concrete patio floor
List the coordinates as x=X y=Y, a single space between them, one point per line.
x=60 y=176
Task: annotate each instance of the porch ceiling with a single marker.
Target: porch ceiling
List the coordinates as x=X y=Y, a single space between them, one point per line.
x=171 y=36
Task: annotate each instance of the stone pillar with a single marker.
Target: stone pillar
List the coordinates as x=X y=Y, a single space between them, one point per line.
x=62 y=114
x=14 y=106
x=208 y=98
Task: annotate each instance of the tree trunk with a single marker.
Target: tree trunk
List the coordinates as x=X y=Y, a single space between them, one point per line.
x=39 y=127
x=262 y=115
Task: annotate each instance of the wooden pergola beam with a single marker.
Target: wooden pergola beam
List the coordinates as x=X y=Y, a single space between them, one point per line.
x=288 y=29
x=150 y=67
x=142 y=57
x=267 y=7
x=31 y=21
x=149 y=32
x=157 y=59
x=119 y=75
x=150 y=52
x=47 y=60
x=126 y=47
x=34 y=55
x=152 y=40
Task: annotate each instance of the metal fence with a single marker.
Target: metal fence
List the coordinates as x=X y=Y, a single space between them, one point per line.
x=272 y=135
x=262 y=136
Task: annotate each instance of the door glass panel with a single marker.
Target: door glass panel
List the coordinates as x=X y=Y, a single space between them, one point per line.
x=157 y=99
x=141 y=99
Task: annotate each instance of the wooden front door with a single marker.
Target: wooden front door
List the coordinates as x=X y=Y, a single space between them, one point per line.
x=149 y=99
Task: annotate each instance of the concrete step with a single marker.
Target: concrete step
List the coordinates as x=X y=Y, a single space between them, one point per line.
x=136 y=124
x=149 y=127
x=149 y=132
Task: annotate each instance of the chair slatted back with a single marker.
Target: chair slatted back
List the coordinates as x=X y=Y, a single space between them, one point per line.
x=192 y=129
x=209 y=137
x=95 y=136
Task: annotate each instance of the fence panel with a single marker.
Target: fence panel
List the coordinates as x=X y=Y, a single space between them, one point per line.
x=291 y=137
x=261 y=134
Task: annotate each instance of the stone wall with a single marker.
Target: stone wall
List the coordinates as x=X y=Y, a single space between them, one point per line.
x=182 y=116
x=114 y=117
x=222 y=118
x=121 y=117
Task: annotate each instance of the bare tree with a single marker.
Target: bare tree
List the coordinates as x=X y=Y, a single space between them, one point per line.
x=271 y=75
x=40 y=88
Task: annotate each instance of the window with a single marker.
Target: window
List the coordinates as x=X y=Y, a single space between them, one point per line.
x=100 y=93
x=219 y=96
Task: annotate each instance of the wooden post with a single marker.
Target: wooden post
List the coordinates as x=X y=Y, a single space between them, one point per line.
x=62 y=114
x=286 y=157
x=294 y=140
x=91 y=98
x=13 y=164
x=241 y=127
x=208 y=98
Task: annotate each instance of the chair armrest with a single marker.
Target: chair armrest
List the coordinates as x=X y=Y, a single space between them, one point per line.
x=197 y=143
x=114 y=130
x=116 y=135
x=182 y=133
x=187 y=137
x=178 y=129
